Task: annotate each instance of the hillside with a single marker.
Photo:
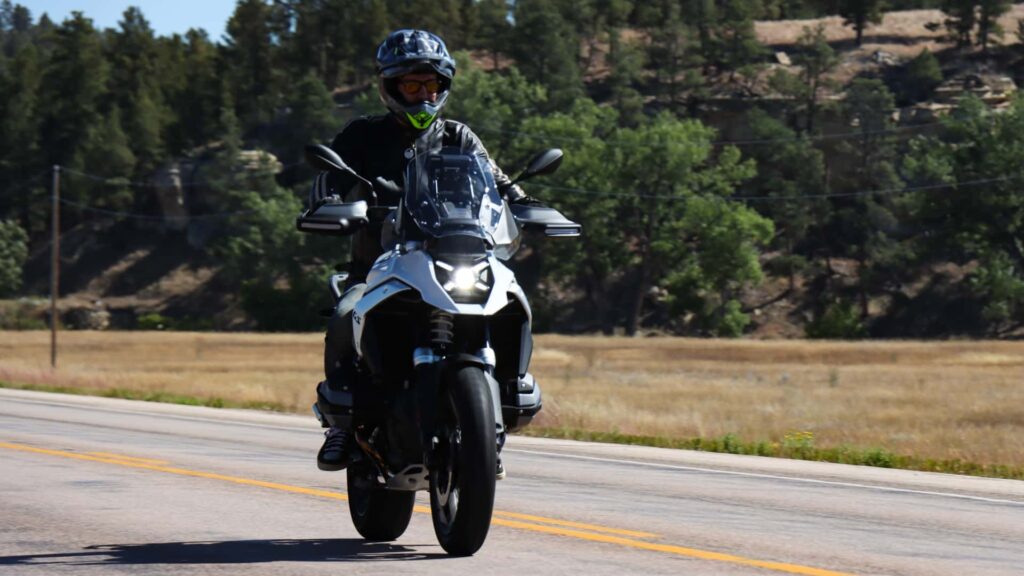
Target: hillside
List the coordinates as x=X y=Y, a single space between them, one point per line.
x=823 y=222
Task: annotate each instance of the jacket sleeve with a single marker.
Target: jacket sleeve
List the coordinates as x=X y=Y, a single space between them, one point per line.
x=471 y=143
x=348 y=145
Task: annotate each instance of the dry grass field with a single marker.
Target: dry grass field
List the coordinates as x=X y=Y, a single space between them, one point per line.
x=944 y=400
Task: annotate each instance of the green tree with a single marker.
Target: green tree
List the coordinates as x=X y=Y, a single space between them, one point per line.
x=74 y=87
x=788 y=168
x=20 y=113
x=249 y=50
x=923 y=75
x=961 y=17
x=980 y=216
x=989 y=12
x=197 y=102
x=864 y=226
x=626 y=61
x=134 y=86
x=739 y=46
x=13 y=252
x=107 y=154
x=593 y=263
x=494 y=32
x=310 y=117
x=495 y=105
x=545 y=48
x=816 y=60
x=669 y=51
x=860 y=14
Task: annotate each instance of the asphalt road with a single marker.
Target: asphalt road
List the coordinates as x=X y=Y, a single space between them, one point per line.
x=100 y=486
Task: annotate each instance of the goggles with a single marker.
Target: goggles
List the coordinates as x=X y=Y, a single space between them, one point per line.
x=412 y=87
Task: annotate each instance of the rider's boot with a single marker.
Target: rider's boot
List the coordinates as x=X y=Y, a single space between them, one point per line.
x=334 y=410
x=335 y=454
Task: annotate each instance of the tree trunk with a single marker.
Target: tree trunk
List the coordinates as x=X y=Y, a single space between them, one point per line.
x=637 y=308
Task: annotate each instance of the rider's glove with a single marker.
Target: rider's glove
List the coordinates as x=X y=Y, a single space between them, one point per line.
x=322 y=192
x=382 y=185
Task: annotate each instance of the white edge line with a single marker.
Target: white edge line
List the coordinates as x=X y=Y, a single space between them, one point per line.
x=769 y=476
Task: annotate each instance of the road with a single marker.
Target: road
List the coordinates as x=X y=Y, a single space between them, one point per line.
x=103 y=486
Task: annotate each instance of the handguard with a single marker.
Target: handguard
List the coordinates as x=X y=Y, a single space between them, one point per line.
x=545 y=218
x=334 y=218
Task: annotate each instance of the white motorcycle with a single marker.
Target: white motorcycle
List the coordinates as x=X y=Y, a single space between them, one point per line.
x=443 y=337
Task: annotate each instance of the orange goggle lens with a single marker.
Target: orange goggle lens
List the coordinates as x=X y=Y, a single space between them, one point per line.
x=412 y=87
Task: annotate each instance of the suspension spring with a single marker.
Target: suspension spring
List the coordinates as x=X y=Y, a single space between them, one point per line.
x=442 y=326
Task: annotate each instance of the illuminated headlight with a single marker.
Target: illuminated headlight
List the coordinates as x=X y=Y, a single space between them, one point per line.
x=464 y=279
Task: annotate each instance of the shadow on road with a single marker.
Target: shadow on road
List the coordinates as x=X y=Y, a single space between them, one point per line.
x=238 y=552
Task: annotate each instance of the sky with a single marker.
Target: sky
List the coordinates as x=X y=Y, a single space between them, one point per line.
x=165 y=16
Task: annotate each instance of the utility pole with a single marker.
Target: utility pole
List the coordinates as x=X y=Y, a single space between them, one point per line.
x=55 y=266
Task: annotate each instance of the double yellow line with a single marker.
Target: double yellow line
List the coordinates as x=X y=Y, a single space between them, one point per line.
x=554 y=526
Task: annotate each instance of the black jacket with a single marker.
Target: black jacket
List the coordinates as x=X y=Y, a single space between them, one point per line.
x=379 y=146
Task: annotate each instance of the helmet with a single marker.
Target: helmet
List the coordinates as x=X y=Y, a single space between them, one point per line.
x=407 y=51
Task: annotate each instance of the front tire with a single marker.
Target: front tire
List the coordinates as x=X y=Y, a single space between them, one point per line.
x=379 y=515
x=462 y=479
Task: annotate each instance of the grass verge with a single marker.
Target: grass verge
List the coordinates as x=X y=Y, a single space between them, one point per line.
x=165 y=397
x=796 y=445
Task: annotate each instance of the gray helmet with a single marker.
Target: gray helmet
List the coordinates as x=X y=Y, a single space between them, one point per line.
x=408 y=51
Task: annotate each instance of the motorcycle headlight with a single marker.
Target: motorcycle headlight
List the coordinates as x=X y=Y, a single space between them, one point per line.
x=464 y=280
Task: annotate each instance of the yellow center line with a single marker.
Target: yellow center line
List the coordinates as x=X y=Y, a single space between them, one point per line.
x=498 y=520
x=128 y=458
x=569 y=524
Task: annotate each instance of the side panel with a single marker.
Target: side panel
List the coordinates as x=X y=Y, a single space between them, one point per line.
x=370 y=300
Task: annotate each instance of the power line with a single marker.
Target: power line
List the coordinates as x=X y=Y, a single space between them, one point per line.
x=620 y=144
x=117 y=181
x=885 y=191
x=154 y=217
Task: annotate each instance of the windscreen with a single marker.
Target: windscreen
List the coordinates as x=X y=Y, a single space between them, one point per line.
x=453 y=193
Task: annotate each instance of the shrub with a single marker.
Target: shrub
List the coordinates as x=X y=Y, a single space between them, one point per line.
x=840 y=321
x=13 y=252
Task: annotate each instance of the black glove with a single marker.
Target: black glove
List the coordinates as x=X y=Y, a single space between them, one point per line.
x=382 y=185
x=526 y=200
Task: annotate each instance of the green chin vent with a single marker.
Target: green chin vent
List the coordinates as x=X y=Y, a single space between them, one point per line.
x=421 y=120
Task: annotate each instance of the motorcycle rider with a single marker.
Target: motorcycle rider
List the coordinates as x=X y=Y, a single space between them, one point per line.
x=415 y=74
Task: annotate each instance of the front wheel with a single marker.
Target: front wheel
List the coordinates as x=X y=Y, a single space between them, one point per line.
x=462 y=479
x=379 y=515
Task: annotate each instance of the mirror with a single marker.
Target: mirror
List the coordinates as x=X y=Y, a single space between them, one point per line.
x=544 y=163
x=323 y=158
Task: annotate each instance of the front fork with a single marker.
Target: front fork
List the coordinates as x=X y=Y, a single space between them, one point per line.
x=430 y=366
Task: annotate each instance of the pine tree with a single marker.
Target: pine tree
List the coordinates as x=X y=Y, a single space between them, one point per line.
x=669 y=51
x=249 y=50
x=107 y=153
x=544 y=47
x=860 y=14
x=989 y=12
x=20 y=112
x=785 y=171
x=961 y=18
x=134 y=85
x=74 y=86
x=495 y=29
x=816 y=60
x=738 y=44
x=196 y=103
x=864 y=227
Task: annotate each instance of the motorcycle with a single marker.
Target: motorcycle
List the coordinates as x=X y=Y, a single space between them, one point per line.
x=443 y=338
